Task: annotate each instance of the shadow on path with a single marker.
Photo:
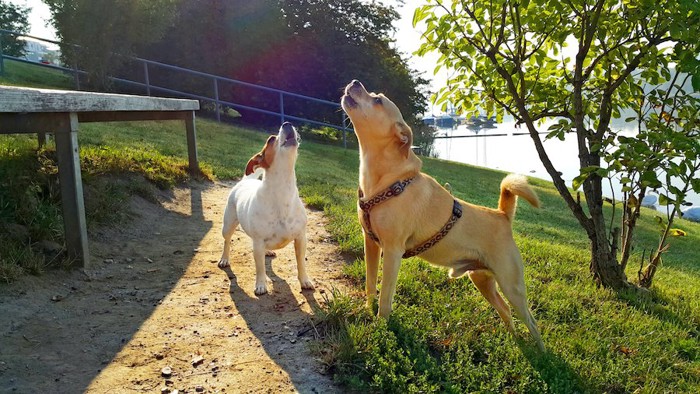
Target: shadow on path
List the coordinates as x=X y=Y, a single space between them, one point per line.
x=60 y=330
x=283 y=327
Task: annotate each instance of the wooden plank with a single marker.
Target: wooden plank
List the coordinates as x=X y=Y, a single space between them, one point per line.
x=19 y=99
x=72 y=190
x=128 y=116
x=192 y=143
x=32 y=123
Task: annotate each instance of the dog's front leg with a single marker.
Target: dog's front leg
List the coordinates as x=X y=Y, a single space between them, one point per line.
x=300 y=252
x=390 y=274
x=372 y=252
x=260 y=274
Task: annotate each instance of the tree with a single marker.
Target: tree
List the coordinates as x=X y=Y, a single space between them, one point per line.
x=350 y=39
x=663 y=156
x=510 y=57
x=311 y=47
x=14 y=18
x=96 y=34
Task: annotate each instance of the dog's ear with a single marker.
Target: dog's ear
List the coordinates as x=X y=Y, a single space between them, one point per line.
x=405 y=137
x=254 y=163
x=263 y=158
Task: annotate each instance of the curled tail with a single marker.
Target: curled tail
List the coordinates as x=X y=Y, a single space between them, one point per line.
x=513 y=186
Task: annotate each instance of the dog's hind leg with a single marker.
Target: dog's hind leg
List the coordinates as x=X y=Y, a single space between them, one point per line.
x=260 y=274
x=229 y=227
x=509 y=275
x=300 y=252
x=372 y=252
x=485 y=282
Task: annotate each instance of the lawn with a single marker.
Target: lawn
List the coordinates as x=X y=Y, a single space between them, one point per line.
x=443 y=336
x=35 y=76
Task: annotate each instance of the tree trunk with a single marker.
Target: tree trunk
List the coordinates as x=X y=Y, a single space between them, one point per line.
x=604 y=266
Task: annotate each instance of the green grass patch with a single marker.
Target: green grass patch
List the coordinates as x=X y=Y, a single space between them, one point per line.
x=35 y=76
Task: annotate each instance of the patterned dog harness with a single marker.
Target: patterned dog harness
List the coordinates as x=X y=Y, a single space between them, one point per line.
x=393 y=191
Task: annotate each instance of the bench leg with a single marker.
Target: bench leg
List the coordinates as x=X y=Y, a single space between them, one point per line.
x=191 y=142
x=72 y=190
x=43 y=139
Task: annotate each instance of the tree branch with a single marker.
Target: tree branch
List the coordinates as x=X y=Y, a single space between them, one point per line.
x=605 y=105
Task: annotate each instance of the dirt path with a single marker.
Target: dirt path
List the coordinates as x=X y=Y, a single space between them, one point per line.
x=154 y=299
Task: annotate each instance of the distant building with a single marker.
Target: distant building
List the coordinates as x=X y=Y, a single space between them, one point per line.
x=36 y=51
x=443 y=121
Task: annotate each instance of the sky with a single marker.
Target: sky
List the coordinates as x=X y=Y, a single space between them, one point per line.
x=38 y=18
x=408 y=39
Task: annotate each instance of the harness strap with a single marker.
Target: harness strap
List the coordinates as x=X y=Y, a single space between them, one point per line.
x=456 y=214
x=394 y=190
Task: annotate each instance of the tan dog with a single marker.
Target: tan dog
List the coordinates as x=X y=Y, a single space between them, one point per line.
x=479 y=243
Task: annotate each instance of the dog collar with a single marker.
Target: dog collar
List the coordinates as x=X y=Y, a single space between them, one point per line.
x=392 y=191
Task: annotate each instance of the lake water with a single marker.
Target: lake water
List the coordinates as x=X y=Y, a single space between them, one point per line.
x=502 y=146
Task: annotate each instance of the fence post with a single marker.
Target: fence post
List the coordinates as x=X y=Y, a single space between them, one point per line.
x=148 y=80
x=217 y=106
x=281 y=107
x=2 y=57
x=345 y=130
x=76 y=75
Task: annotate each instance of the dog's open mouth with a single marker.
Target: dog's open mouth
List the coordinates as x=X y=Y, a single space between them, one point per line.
x=291 y=139
x=349 y=101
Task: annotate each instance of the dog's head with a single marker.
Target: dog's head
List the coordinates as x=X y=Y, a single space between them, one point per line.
x=279 y=150
x=376 y=119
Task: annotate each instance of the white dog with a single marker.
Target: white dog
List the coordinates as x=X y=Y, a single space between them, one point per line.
x=269 y=210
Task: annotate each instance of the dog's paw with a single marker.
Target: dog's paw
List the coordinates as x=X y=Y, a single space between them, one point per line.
x=260 y=289
x=270 y=253
x=223 y=263
x=307 y=283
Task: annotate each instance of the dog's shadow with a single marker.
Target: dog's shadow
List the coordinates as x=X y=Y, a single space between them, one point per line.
x=553 y=369
x=282 y=326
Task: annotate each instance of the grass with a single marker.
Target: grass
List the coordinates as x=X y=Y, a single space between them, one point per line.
x=28 y=75
x=443 y=336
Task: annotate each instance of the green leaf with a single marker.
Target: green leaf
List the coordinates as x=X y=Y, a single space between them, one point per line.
x=557 y=131
x=419 y=14
x=696 y=185
x=695 y=81
x=578 y=181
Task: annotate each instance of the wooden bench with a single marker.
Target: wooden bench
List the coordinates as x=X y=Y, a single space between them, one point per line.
x=28 y=110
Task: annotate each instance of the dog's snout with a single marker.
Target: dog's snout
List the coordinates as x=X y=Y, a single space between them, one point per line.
x=289 y=135
x=354 y=86
x=286 y=126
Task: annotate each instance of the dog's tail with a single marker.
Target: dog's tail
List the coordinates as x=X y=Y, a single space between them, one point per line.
x=513 y=186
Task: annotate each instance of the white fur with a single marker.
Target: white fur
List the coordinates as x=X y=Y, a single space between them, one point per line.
x=270 y=212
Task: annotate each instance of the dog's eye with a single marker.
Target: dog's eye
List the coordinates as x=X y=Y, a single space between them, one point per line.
x=378 y=100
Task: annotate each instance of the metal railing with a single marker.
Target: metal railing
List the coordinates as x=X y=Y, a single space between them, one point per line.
x=215 y=81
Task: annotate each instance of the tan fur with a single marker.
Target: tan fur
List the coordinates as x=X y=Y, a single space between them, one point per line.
x=480 y=244
x=264 y=158
x=512 y=186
